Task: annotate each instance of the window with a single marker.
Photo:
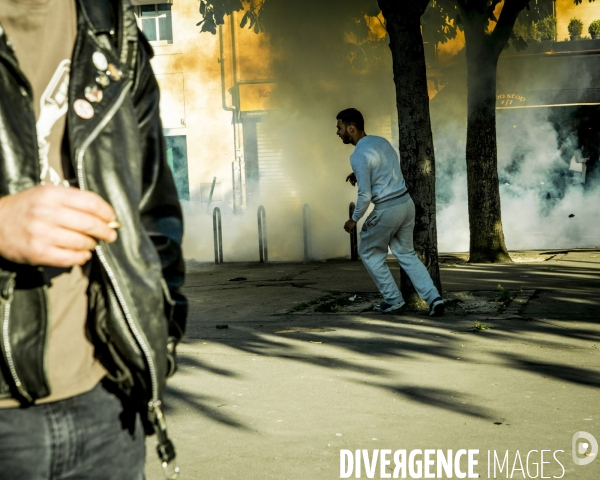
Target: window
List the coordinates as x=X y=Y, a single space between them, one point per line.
x=177 y=159
x=155 y=22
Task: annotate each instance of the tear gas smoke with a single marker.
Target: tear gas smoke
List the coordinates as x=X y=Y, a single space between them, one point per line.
x=537 y=189
x=314 y=82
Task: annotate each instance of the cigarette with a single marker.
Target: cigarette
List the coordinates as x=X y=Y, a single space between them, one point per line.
x=114 y=224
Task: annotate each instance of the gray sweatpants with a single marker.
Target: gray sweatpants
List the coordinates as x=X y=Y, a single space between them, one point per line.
x=391 y=224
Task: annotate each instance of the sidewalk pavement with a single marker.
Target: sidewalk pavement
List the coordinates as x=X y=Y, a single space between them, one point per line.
x=277 y=395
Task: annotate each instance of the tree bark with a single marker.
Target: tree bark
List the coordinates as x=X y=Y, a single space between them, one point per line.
x=487 y=243
x=416 y=139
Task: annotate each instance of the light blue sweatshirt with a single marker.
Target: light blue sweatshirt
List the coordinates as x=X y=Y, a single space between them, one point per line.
x=377 y=168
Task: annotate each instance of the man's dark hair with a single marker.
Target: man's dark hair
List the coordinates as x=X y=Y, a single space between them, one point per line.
x=351 y=116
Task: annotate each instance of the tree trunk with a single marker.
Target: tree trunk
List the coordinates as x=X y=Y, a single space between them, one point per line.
x=485 y=217
x=416 y=140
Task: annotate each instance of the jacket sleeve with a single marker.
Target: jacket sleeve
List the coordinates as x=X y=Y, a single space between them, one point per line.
x=362 y=171
x=159 y=207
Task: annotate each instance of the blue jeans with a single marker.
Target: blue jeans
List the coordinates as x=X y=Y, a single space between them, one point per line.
x=87 y=437
x=392 y=226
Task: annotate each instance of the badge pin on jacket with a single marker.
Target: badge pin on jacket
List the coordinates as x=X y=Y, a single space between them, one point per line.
x=102 y=80
x=100 y=62
x=83 y=109
x=93 y=94
x=114 y=72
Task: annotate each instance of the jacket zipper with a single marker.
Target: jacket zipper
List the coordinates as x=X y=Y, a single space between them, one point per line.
x=100 y=252
x=130 y=322
x=165 y=449
x=6 y=302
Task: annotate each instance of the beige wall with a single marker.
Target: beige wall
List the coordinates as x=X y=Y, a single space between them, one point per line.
x=566 y=9
x=189 y=76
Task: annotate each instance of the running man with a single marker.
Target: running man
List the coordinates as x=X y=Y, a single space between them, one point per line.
x=376 y=169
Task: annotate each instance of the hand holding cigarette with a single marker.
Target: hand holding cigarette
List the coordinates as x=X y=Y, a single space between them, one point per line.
x=54 y=226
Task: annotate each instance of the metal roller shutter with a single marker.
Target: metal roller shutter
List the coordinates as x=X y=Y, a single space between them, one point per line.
x=275 y=183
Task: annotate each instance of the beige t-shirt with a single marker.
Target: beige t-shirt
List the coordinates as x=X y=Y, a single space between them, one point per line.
x=43 y=34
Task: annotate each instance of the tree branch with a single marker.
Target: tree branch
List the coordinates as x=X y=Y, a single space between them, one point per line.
x=506 y=22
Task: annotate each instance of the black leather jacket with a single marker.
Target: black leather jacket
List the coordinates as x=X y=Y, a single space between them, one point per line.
x=120 y=154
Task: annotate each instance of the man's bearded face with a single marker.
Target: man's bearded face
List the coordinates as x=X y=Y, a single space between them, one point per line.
x=342 y=132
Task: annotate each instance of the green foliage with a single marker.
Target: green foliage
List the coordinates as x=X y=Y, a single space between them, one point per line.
x=213 y=13
x=525 y=28
x=575 y=27
x=594 y=28
x=334 y=306
x=480 y=327
x=365 y=51
x=252 y=17
x=535 y=22
x=308 y=21
x=438 y=26
x=304 y=306
x=439 y=22
x=545 y=29
x=504 y=296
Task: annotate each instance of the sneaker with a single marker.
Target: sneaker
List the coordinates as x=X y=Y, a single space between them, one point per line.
x=386 y=307
x=437 y=308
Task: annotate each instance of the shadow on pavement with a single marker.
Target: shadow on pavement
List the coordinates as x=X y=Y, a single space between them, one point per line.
x=564 y=310
x=577 y=375
x=202 y=405
x=442 y=398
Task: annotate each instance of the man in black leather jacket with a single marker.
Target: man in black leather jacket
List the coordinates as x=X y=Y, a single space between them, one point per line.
x=119 y=223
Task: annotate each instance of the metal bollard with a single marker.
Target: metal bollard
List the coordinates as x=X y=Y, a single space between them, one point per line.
x=262 y=235
x=353 y=237
x=218 y=235
x=305 y=219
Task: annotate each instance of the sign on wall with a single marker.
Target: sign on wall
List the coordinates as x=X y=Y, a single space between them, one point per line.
x=256 y=99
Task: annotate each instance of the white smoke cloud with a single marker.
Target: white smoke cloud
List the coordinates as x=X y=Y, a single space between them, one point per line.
x=541 y=206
